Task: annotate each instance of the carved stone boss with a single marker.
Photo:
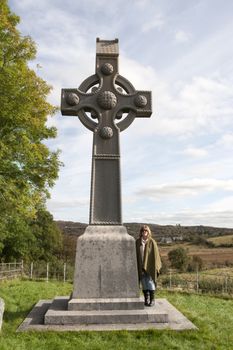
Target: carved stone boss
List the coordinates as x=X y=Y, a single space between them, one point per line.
x=101 y=103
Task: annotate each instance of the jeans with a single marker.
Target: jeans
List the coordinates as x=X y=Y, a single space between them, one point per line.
x=147 y=282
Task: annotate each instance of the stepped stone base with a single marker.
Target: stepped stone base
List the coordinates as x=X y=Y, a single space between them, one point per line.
x=58 y=314
x=175 y=320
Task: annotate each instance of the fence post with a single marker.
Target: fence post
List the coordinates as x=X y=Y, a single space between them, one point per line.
x=31 y=272
x=225 y=284
x=170 y=280
x=47 y=273
x=64 y=272
x=197 y=280
x=22 y=268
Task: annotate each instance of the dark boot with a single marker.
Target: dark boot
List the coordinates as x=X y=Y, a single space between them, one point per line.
x=152 y=298
x=146 y=297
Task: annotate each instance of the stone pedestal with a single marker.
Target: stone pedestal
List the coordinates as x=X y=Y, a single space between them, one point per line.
x=106 y=265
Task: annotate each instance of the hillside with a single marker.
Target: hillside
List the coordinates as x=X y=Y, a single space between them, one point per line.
x=186 y=233
x=195 y=239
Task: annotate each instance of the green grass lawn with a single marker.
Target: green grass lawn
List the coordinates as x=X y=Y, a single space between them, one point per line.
x=213 y=316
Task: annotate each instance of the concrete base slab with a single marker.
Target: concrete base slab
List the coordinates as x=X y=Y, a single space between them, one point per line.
x=175 y=319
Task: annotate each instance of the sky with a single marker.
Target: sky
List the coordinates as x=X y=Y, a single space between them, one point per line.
x=176 y=167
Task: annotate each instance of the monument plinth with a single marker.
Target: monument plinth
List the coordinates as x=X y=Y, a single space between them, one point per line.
x=106 y=265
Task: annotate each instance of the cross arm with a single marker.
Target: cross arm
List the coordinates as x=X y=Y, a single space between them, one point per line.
x=73 y=100
x=140 y=103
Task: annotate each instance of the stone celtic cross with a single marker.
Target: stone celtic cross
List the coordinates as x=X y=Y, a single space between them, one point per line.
x=101 y=103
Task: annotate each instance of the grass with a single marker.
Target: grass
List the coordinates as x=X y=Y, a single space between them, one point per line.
x=221 y=240
x=213 y=316
x=223 y=271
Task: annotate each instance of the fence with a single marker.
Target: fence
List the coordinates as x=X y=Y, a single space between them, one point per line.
x=49 y=271
x=200 y=282
x=11 y=270
x=37 y=271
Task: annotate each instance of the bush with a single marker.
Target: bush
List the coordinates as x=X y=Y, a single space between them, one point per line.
x=209 y=285
x=178 y=258
x=195 y=263
x=164 y=268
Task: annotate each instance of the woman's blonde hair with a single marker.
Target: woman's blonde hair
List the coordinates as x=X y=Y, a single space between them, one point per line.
x=145 y=228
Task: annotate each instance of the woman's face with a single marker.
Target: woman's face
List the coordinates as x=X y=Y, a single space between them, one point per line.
x=145 y=234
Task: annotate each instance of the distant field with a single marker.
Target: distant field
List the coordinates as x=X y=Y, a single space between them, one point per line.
x=226 y=240
x=219 y=271
x=210 y=256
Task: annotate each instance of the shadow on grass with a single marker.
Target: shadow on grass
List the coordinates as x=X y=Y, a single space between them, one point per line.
x=11 y=316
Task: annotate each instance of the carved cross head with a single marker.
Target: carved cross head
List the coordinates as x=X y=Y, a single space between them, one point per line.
x=106 y=101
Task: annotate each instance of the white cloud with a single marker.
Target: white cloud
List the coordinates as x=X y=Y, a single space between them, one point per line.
x=226 y=141
x=195 y=152
x=55 y=205
x=223 y=204
x=203 y=105
x=156 y=23
x=192 y=218
x=219 y=165
x=181 y=37
x=186 y=188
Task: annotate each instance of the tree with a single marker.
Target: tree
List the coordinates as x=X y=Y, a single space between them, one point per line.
x=27 y=167
x=196 y=263
x=48 y=236
x=178 y=258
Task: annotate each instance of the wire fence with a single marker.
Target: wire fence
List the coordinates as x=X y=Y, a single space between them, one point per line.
x=37 y=271
x=200 y=282
x=58 y=271
x=11 y=270
x=220 y=282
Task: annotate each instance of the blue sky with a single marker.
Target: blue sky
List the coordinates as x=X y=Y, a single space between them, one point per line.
x=176 y=166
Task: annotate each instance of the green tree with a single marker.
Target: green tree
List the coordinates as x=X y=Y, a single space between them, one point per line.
x=27 y=167
x=178 y=258
x=48 y=236
x=196 y=263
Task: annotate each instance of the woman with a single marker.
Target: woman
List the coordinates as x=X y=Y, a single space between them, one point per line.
x=149 y=263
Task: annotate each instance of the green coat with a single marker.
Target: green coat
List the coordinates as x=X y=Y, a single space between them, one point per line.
x=151 y=262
